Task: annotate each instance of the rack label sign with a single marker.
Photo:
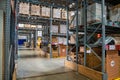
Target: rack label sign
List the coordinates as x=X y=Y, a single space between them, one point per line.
x=112 y=63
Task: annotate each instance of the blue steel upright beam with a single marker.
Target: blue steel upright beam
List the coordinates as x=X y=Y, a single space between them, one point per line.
x=7 y=39
x=67 y=34
x=77 y=43
x=51 y=18
x=103 y=39
x=85 y=30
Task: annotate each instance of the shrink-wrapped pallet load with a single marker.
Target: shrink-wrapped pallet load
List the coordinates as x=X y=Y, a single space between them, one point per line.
x=56 y=13
x=24 y=8
x=35 y=10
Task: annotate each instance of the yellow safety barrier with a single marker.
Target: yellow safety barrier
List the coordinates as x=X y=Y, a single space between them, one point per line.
x=117 y=79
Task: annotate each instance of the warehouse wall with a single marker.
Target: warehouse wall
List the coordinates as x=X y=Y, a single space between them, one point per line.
x=1 y=42
x=2 y=4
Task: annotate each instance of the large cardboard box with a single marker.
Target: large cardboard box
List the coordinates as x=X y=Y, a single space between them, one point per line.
x=55 y=29
x=115 y=13
x=94 y=13
x=45 y=11
x=24 y=8
x=56 y=13
x=73 y=39
x=63 y=14
x=54 y=40
x=112 y=64
x=62 y=50
x=35 y=10
x=27 y=25
x=72 y=14
x=63 y=29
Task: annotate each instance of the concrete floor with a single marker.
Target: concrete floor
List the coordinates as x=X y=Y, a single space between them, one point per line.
x=43 y=69
x=63 y=76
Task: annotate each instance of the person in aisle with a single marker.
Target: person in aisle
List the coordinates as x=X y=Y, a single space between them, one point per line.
x=39 y=41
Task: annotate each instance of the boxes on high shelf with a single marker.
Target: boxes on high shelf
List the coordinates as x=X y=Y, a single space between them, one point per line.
x=55 y=29
x=24 y=8
x=27 y=25
x=62 y=40
x=73 y=39
x=94 y=13
x=55 y=51
x=56 y=13
x=45 y=11
x=35 y=10
x=63 y=29
x=33 y=26
x=63 y=14
x=115 y=13
x=72 y=14
x=117 y=40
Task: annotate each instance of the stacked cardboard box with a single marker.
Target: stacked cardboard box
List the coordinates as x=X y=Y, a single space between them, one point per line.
x=45 y=11
x=62 y=40
x=63 y=14
x=56 y=13
x=73 y=39
x=24 y=8
x=54 y=40
x=27 y=25
x=117 y=40
x=92 y=60
x=21 y=25
x=33 y=26
x=35 y=10
x=62 y=50
x=54 y=29
x=94 y=13
x=72 y=14
x=55 y=51
x=115 y=13
x=63 y=29
x=112 y=64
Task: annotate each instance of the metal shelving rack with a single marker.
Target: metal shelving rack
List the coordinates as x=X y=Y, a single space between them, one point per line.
x=93 y=28
x=100 y=27
x=42 y=20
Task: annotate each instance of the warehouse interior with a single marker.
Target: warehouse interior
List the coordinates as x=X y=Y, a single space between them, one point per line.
x=60 y=39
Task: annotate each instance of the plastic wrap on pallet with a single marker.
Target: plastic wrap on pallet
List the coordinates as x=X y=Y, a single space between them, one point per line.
x=35 y=10
x=45 y=11
x=27 y=25
x=54 y=29
x=24 y=8
x=94 y=13
x=74 y=20
x=63 y=29
x=73 y=39
x=115 y=13
x=33 y=26
x=21 y=25
x=64 y=14
x=56 y=13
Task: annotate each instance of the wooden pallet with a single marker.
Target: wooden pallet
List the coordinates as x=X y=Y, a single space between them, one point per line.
x=93 y=21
